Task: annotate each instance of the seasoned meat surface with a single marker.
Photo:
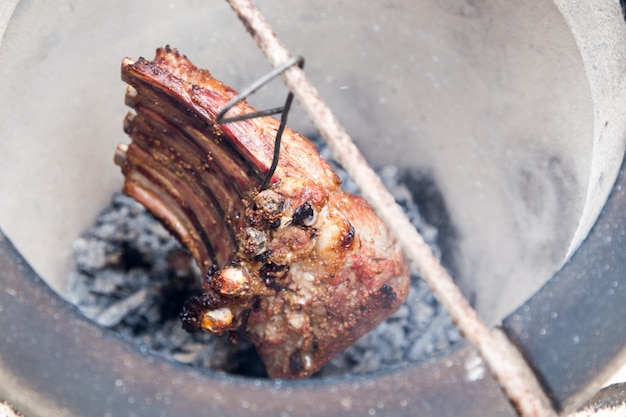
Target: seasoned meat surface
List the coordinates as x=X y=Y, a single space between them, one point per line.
x=302 y=268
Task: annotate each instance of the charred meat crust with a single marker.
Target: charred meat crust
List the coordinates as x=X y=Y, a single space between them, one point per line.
x=302 y=268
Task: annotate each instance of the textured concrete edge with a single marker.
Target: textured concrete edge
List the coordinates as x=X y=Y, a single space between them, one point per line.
x=570 y=331
x=7 y=411
x=610 y=401
x=599 y=29
x=7 y=7
x=101 y=373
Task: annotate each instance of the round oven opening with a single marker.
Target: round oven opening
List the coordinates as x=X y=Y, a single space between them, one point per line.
x=496 y=106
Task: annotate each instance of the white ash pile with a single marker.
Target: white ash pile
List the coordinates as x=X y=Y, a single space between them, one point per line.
x=131 y=276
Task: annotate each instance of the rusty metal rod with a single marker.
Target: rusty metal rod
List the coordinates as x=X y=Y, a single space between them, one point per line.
x=501 y=356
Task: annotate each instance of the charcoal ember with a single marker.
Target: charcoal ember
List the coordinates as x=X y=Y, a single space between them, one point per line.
x=425 y=327
x=115 y=313
x=140 y=298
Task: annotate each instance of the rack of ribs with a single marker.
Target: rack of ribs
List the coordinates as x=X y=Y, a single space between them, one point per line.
x=302 y=269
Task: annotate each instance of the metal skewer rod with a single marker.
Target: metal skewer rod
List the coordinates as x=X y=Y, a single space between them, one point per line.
x=222 y=119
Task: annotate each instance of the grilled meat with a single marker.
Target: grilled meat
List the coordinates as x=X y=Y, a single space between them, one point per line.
x=301 y=268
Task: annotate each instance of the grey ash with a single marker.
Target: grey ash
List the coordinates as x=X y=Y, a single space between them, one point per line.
x=132 y=277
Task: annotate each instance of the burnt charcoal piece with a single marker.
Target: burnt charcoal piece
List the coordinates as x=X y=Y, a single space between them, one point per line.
x=305 y=269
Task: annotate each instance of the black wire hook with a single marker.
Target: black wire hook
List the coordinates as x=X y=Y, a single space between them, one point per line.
x=221 y=119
